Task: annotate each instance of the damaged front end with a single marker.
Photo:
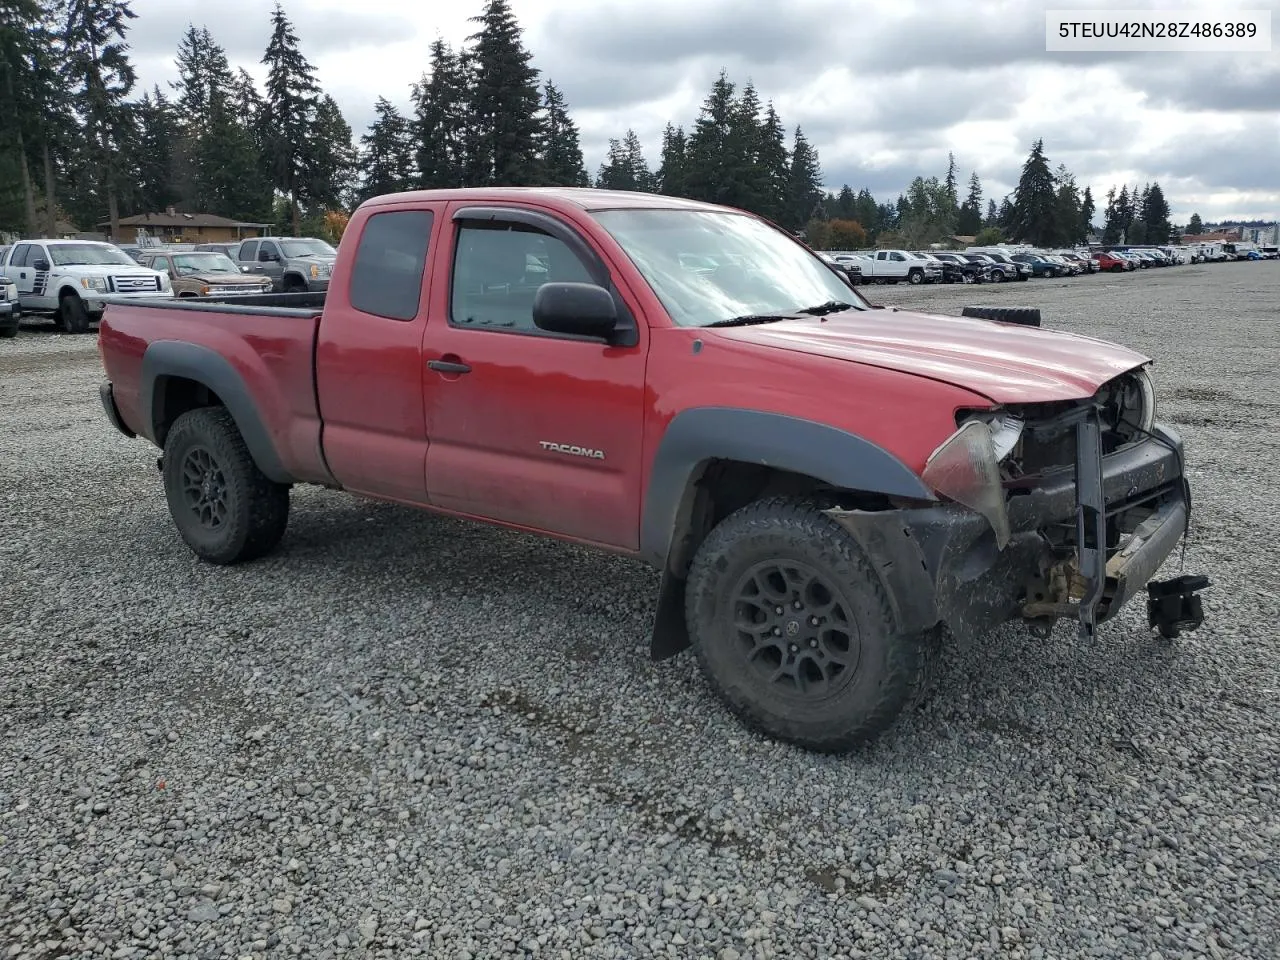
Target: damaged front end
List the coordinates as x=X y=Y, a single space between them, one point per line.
x=1049 y=511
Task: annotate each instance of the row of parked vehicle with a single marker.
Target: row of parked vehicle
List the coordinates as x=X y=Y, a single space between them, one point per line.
x=71 y=281
x=1003 y=263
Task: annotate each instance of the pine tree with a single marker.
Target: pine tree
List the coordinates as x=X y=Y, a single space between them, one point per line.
x=440 y=110
x=287 y=120
x=562 y=164
x=969 y=219
x=153 y=158
x=507 y=129
x=867 y=212
x=230 y=175
x=1035 y=215
x=951 y=185
x=99 y=75
x=625 y=168
x=1086 y=214
x=330 y=158
x=1067 y=221
x=804 y=183
x=992 y=219
x=671 y=174
x=775 y=163
x=386 y=154
x=1195 y=226
x=749 y=186
x=707 y=173
x=23 y=97
x=1155 y=214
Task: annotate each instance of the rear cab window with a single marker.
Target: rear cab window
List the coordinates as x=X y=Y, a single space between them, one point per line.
x=389 y=264
x=249 y=250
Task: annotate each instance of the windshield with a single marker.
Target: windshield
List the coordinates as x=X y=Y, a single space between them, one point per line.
x=307 y=248
x=88 y=254
x=758 y=269
x=188 y=264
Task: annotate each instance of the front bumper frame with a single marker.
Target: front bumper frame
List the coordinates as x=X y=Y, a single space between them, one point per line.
x=940 y=563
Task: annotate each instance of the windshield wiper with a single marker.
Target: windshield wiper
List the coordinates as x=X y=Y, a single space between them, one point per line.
x=751 y=318
x=831 y=306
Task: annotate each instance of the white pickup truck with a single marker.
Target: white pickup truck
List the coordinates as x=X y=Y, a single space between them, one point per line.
x=73 y=280
x=891 y=266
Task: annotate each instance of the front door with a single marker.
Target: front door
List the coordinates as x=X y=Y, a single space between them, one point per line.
x=534 y=429
x=271 y=263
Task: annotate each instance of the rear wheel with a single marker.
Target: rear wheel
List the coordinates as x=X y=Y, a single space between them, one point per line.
x=794 y=631
x=224 y=507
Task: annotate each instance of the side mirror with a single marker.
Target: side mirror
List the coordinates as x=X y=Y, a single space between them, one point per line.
x=42 y=264
x=578 y=309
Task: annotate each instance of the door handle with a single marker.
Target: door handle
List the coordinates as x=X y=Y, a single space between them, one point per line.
x=449 y=366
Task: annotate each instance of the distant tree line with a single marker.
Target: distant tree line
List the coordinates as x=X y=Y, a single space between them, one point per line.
x=85 y=144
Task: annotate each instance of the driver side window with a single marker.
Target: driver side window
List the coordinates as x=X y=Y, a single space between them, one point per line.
x=497 y=271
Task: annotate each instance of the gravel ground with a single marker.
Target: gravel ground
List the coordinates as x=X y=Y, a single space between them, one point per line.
x=405 y=736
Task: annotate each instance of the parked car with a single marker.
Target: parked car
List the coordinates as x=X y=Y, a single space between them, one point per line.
x=205 y=274
x=1040 y=266
x=293 y=264
x=72 y=280
x=1006 y=268
x=1110 y=262
x=10 y=308
x=951 y=272
x=894 y=266
x=973 y=271
x=811 y=552
x=1270 y=253
x=849 y=265
x=1085 y=264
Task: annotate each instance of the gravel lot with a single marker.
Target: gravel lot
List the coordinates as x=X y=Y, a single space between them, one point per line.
x=405 y=736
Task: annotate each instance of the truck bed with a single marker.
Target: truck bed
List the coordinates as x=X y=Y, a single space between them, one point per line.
x=256 y=352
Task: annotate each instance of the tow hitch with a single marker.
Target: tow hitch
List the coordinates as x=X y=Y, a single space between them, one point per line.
x=1174 y=605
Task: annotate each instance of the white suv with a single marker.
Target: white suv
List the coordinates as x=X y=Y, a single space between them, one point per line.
x=74 y=280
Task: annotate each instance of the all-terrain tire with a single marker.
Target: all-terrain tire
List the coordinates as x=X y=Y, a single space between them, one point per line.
x=915 y=276
x=255 y=510
x=1027 y=316
x=9 y=330
x=72 y=314
x=887 y=669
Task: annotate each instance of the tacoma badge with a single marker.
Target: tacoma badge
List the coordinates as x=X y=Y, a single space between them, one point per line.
x=571 y=449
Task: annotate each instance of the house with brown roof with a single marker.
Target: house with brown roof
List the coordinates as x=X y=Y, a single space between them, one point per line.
x=174 y=226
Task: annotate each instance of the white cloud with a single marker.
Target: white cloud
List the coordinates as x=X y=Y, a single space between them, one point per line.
x=884 y=91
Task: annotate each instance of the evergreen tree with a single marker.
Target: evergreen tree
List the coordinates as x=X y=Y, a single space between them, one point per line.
x=625 y=168
x=1086 y=214
x=804 y=183
x=1195 y=225
x=1035 y=215
x=1068 y=220
x=708 y=170
x=1155 y=214
x=951 y=185
x=969 y=219
x=672 y=174
x=441 y=129
x=507 y=129
x=99 y=76
x=27 y=86
x=867 y=212
x=386 y=153
x=286 y=125
x=562 y=164
x=153 y=158
x=992 y=219
x=330 y=157
x=775 y=164
x=749 y=182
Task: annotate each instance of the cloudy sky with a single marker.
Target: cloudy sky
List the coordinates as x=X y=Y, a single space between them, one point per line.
x=884 y=90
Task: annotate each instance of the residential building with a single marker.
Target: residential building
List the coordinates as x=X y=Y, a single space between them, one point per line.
x=173 y=226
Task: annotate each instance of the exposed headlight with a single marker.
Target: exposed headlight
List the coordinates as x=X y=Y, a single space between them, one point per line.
x=966 y=468
x=319 y=271
x=1148 y=387
x=94 y=283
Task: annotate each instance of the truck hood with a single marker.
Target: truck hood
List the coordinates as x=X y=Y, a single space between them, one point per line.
x=1004 y=362
x=225 y=279
x=103 y=270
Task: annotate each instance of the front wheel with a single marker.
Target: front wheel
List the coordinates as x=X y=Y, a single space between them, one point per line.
x=72 y=314
x=224 y=507
x=792 y=628
x=915 y=276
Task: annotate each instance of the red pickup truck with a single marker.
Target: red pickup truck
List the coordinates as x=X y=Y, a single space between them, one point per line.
x=829 y=488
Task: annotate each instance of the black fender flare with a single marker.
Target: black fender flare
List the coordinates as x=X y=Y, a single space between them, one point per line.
x=175 y=358
x=697 y=436
x=291 y=274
